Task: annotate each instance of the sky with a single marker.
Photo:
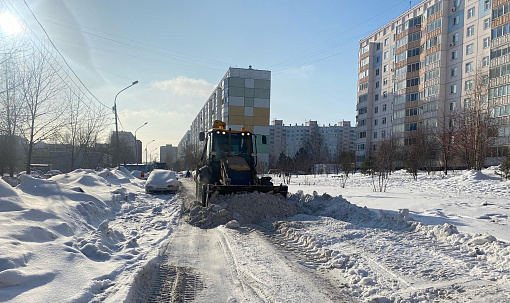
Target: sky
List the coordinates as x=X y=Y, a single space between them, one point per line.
x=180 y=50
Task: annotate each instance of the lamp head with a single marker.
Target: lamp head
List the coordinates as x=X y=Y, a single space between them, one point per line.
x=135 y=82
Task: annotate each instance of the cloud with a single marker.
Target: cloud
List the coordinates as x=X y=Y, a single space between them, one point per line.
x=185 y=86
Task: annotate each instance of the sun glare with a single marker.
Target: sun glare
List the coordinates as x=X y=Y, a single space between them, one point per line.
x=9 y=24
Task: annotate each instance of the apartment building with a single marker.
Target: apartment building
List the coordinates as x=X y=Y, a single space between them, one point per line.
x=288 y=139
x=241 y=99
x=419 y=68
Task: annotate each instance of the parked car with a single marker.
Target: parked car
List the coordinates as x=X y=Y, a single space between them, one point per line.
x=162 y=181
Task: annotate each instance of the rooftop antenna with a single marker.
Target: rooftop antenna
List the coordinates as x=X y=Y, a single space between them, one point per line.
x=410 y=6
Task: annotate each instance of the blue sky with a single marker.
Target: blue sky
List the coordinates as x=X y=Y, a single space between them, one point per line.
x=180 y=50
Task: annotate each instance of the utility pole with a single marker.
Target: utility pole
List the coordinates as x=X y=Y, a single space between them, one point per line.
x=116 y=124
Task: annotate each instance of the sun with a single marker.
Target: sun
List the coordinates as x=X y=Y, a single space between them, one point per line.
x=9 y=24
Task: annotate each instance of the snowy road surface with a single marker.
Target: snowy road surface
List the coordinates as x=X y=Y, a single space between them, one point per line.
x=96 y=237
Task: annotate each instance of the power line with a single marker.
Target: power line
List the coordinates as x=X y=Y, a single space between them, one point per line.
x=60 y=54
x=59 y=69
x=177 y=55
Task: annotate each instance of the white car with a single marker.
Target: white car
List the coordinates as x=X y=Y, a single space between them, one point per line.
x=162 y=181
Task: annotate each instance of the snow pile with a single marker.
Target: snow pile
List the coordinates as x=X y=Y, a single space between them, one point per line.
x=74 y=233
x=341 y=209
x=245 y=208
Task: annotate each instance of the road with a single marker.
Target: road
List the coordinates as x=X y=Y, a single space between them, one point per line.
x=233 y=265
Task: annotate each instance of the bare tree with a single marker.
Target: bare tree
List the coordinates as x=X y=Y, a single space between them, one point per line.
x=475 y=129
x=11 y=105
x=419 y=150
x=191 y=155
x=347 y=162
x=445 y=141
x=384 y=156
x=41 y=86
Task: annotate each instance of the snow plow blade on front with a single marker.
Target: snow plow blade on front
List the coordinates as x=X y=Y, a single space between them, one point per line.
x=232 y=189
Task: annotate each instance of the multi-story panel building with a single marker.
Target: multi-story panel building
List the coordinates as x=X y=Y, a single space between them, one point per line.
x=499 y=79
x=288 y=139
x=415 y=71
x=241 y=99
x=168 y=155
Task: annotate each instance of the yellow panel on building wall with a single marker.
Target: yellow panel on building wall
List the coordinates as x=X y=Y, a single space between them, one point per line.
x=248 y=121
x=261 y=121
x=235 y=120
x=261 y=111
x=236 y=110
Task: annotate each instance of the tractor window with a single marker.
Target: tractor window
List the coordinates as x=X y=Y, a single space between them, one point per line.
x=241 y=144
x=220 y=143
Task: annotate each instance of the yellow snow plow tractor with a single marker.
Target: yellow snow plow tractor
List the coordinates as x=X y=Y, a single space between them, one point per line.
x=228 y=164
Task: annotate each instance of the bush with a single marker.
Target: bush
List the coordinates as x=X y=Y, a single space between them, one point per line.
x=504 y=168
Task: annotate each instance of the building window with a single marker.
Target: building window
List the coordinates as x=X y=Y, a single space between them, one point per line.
x=377 y=72
x=487 y=23
x=378 y=46
x=467 y=102
x=452 y=106
x=376 y=84
x=384 y=120
x=385 y=55
x=453 y=89
x=469 y=67
x=375 y=135
x=485 y=80
x=385 y=94
x=386 y=41
x=376 y=109
x=470 y=49
x=487 y=5
x=385 y=68
x=468 y=84
x=456 y=3
x=456 y=20
x=486 y=61
x=384 y=108
x=383 y=134
x=454 y=72
x=454 y=54
x=455 y=37
x=470 y=31
x=375 y=122
x=471 y=12
x=486 y=42
x=376 y=97
x=385 y=81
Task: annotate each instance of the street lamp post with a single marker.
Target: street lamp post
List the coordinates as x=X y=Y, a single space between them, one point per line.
x=116 y=124
x=136 y=145
x=146 y=162
x=150 y=157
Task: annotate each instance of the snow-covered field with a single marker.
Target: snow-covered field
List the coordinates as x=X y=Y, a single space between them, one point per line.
x=87 y=236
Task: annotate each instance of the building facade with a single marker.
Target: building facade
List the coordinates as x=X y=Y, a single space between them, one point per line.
x=241 y=99
x=168 y=155
x=415 y=71
x=288 y=139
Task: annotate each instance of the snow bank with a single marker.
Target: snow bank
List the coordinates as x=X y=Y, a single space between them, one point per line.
x=9 y=200
x=76 y=233
x=341 y=209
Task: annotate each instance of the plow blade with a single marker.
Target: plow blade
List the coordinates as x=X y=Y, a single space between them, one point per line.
x=230 y=189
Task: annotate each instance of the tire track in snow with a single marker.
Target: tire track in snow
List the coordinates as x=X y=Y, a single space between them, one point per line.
x=371 y=257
